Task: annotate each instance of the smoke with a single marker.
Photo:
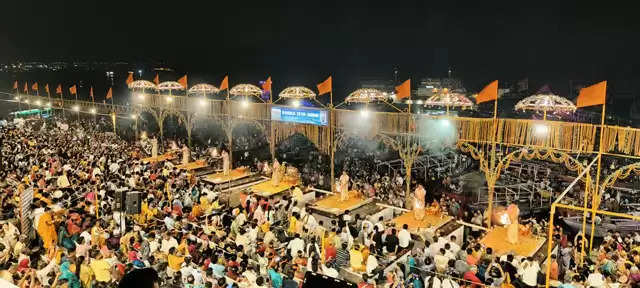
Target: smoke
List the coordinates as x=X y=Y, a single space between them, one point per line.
x=359 y=123
x=436 y=135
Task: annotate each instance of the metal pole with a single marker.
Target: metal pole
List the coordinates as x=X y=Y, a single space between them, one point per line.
x=595 y=198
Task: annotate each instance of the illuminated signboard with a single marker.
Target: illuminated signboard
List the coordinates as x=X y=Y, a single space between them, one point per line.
x=300 y=115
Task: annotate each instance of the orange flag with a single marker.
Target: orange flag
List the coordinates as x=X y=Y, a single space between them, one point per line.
x=156 y=79
x=325 y=87
x=73 y=90
x=266 y=86
x=59 y=89
x=225 y=83
x=91 y=94
x=46 y=88
x=26 y=88
x=593 y=95
x=488 y=93
x=403 y=90
x=34 y=86
x=182 y=81
x=109 y=94
x=130 y=78
x=15 y=85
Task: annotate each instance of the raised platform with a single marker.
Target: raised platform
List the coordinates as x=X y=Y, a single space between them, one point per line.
x=164 y=157
x=527 y=246
x=234 y=175
x=193 y=165
x=332 y=205
x=434 y=221
x=266 y=189
x=198 y=167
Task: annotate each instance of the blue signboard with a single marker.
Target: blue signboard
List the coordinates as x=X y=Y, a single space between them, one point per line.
x=300 y=115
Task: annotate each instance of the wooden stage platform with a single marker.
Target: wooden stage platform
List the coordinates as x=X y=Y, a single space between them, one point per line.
x=527 y=246
x=333 y=206
x=164 y=157
x=193 y=165
x=435 y=221
x=220 y=178
x=266 y=189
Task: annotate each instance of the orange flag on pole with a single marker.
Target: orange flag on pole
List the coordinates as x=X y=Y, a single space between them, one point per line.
x=26 y=88
x=325 y=87
x=73 y=90
x=59 y=89
x=109 y=94
x=156 y=79
x=182 y=81
x=34 y=86
x=130 y=78
x=91 y=94
x=403 y=90
x=593 y=95
x=488 y=93
x=46 y=88
x=266 y=86
x=225 y=83
x=15 y=85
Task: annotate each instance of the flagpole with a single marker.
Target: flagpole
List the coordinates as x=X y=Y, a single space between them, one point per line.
x=597 y=188
x=61 y=99
x=77 y=112
x=332 y=140
x=113 y=113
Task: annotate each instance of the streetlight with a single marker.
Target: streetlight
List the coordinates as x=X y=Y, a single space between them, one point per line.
x=134 y=116
x=169 y=99
x=140 y=72
x=245 y=103
x=26 y=101
x=93 y=110
x=38 y=102
x=76 y=108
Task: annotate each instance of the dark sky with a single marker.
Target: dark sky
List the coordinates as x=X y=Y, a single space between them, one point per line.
x=301 y=42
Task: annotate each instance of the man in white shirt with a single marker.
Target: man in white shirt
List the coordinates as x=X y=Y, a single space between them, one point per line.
x=167 y=243
x=530 y=269
x=295 y=245
x=455 y=248
x=404 y=237
x=595 y=279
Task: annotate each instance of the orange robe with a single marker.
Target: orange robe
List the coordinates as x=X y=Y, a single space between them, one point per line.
x=47 y=231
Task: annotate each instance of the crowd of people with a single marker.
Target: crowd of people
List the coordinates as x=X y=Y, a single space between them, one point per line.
x=62 y=226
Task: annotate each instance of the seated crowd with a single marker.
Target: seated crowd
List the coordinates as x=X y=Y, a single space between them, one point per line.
x=186 y=234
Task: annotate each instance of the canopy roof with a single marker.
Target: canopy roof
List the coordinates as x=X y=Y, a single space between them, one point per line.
x=297 y=92
x=366 y=95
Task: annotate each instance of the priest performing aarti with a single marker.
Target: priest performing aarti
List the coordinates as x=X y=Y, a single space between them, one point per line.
x=344 y=186
x=185 y=154
x=226 y=165
x=275 y=174
x=418 y=205
x=513 y=226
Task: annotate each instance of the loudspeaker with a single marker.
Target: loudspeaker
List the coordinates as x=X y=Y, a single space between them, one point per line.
x=133 y=203
x=120 y=200
x=312 y=280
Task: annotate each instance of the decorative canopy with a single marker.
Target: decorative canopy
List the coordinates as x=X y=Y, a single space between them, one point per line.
x=170 y=85
x=245 y=90
x=446 y=98
x=366 y=95
x=546 y=103
x=142 y=84
x=203 y=88
x=297 y=92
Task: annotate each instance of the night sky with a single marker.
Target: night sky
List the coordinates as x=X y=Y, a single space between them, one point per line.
x=302 y=42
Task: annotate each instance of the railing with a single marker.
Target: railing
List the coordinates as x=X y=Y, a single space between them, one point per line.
x=564 y=136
